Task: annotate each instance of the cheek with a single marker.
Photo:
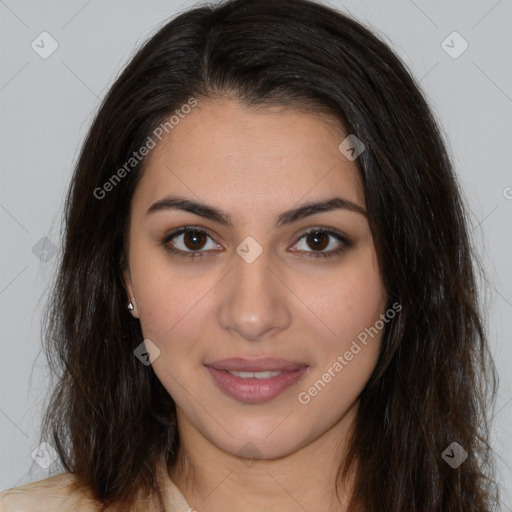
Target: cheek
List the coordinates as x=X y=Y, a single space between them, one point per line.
x=173 y=310
x=159 y=295
x=164 y=310
x=349 y=301
x=156 y=303
x=351 y=307
x=168 y=291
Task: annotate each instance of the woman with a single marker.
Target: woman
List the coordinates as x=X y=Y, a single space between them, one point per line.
x=266 y=296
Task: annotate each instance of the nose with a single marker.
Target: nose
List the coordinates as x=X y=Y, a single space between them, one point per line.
x=256 y=301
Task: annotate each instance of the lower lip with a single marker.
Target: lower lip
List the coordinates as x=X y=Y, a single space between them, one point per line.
x=254 y=391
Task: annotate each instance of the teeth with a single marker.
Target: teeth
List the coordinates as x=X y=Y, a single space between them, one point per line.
x=257 y=375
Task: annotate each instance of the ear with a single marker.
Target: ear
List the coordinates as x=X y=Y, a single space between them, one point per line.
x=129 y=289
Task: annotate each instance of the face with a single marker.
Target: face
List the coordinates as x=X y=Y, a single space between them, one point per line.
x=234 y=277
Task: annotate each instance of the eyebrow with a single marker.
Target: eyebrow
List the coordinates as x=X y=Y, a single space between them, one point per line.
x=285 y=218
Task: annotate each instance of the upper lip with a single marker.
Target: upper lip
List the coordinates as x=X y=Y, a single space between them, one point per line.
x=255 y=365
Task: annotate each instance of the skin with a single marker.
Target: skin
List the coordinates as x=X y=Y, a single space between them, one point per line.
x=255 y=164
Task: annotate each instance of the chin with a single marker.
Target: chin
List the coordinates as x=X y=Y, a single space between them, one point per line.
x=268 y=438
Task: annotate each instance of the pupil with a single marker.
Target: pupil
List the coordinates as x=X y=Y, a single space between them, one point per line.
x=195 y=236
x=316 y=236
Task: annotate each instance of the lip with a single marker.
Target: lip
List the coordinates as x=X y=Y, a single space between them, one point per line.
x=240 y=364
x=253 y=390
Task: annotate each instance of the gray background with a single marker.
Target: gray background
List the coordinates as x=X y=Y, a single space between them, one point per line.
x=48 y=104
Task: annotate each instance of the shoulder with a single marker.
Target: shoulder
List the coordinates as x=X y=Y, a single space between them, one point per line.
x=53 y=494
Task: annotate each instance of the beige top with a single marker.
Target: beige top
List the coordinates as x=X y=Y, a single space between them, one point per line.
x=53 y=494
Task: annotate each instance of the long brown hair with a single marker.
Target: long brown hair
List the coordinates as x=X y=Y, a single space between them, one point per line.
x=109 y=417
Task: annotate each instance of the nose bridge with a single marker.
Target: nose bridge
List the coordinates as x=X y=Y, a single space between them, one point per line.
x=252 y=275
x=255 y=300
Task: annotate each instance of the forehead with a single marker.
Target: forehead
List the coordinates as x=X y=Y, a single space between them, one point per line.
x=225 y=152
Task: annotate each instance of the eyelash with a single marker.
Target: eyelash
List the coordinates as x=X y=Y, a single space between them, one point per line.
x=345 y=243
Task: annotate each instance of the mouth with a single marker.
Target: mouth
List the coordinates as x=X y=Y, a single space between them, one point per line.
x=255 y=380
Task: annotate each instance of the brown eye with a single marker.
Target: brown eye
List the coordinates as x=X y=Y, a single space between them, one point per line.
x=318 y=240
x=189 y=242
x=194 y=240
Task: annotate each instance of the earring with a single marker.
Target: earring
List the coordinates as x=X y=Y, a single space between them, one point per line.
x=130 y=306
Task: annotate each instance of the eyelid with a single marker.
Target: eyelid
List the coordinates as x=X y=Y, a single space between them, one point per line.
x=185 y=229
x=341 y=237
